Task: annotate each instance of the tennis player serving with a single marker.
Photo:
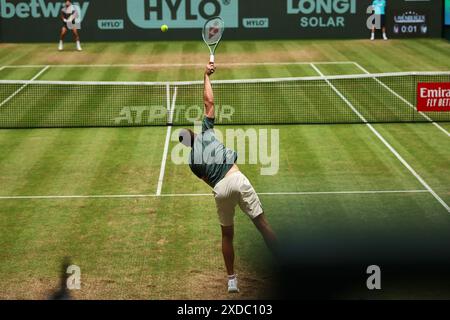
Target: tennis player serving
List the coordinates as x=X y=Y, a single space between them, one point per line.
x=215 y=164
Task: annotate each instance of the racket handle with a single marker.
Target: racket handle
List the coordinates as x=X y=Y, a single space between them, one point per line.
x=211 y=58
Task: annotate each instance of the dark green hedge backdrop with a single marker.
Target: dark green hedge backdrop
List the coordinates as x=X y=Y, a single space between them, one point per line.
x=107 y=20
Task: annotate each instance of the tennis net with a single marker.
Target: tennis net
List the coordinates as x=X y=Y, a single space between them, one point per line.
x=373 y=98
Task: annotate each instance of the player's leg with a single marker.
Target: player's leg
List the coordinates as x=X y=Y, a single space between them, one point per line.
x=228 y=249
x=228 y=256
x=374 y=27
x=383 y=26
x=226 y=201
x=77 y=38
x=61 y=38
x=249 y=203
x=266 y=231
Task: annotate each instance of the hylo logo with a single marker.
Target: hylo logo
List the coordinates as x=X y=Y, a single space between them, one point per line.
x=111 y=24
x=255 y=22
x=149 y=14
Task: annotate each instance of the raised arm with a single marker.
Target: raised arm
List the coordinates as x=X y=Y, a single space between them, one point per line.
x=208 y=96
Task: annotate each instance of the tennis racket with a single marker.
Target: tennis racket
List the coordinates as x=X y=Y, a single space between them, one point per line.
x=212 y=34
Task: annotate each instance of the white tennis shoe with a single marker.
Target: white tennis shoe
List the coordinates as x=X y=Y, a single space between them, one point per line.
x=79 y=46
x=233 y=285
x=60 y=46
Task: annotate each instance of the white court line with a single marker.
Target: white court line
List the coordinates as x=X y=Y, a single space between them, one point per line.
x=1 y=68
x=339 y=94
x=177 y=65
x=379 y=136
x=304 y=193
x=23 y=87
x=170 y=109
x=111 y=196
x=403 y=99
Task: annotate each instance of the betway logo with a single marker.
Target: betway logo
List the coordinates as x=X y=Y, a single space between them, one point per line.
x=149 y=14
x=36 y=9
x=321 y=6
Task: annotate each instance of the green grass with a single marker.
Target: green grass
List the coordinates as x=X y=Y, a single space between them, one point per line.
x=169 y=247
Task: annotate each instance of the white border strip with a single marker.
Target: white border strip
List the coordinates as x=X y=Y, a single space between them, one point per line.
x=403 y=99
x=262 y=80
x=112 y=196
x=379 y=136
x=24 y=86
x=170 y=109
x=177 y=65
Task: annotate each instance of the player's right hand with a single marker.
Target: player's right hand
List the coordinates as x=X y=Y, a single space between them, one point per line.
x=210 y=68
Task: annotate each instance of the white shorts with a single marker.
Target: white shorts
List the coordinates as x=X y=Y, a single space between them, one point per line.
x=232 y=190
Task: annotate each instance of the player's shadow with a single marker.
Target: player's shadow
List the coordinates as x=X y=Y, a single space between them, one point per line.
x=62 y=292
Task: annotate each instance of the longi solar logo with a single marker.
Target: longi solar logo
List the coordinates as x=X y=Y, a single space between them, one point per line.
x=315 y=12
x=433 y=97
x=255 y=147
x=149 y=14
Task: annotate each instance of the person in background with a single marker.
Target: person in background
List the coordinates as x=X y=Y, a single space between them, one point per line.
x=68 y=16
x=380 y=18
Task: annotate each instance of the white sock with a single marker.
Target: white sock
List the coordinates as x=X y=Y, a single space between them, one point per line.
x=60 y=42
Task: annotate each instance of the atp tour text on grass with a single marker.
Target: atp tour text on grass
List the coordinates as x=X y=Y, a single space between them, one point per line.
x=182 y=113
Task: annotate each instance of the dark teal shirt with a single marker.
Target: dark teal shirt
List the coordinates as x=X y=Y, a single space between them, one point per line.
x=210 y=159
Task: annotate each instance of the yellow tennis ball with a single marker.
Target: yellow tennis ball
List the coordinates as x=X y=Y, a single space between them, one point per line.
x=164 y=28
